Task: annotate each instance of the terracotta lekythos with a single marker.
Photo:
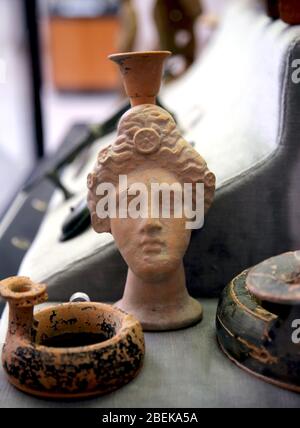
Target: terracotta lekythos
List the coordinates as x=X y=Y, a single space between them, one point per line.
x=149 y=150
x=70 y=350
x=258 y=320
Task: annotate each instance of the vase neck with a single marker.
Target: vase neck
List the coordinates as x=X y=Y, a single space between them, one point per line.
x=171 y=290
x=136 y=101
x=20 y=321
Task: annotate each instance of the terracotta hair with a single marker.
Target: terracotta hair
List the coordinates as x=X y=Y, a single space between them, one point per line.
x=168 y=151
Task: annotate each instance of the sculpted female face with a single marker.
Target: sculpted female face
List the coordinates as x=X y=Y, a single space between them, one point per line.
x=152 y=228
x=149 y=149
x=151 y=247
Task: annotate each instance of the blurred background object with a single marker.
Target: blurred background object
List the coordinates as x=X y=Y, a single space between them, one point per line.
x=167 y=25
x=81 y=35
x=290 y=11
x=175 y=21
x=59 y=93
x=21 y=141
x=273 y=8
x=129 y=24
x=133 y=28
x=287 y=10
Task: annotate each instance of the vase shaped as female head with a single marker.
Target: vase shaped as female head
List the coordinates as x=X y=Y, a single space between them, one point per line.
x=151 y=153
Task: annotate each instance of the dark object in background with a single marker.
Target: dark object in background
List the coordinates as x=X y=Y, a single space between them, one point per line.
x=175 y=20
x=27 y=212
x=31 y=19
x=84 y=136
x=23 y=219
x=287 y=10
x=257 y=320
x=290 y=11
x=21 y=225
x=14 y=240
x=273 y=8
x=77 y=221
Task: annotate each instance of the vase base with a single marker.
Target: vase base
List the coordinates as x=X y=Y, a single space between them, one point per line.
x=167 y=318
x=288 y=386
x=68 y=396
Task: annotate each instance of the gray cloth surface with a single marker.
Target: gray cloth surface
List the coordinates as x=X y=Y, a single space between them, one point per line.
x=183 y=368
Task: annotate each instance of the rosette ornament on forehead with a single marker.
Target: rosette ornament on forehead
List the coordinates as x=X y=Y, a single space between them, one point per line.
x=142 y=74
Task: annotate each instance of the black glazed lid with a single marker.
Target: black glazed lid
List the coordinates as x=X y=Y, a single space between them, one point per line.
x=277 y=279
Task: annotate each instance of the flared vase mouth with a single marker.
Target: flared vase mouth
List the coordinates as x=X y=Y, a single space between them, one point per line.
x=142 y=74
x=116 y=325
x=23 y=292
x=119 y=56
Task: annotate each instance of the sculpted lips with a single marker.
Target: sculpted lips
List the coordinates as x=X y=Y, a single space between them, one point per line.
x=152 y=245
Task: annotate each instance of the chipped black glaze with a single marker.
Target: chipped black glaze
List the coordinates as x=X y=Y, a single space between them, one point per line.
x=257 y=334
x=71 y=372
x=277 y=279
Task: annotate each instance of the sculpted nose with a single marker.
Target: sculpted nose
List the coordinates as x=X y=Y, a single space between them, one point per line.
x=151 y=225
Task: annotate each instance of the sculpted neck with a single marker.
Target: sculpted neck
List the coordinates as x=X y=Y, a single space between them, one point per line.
x=169 y=291
x=163 y=304
x=20 y=322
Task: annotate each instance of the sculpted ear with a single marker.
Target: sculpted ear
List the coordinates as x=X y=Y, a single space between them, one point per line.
x=100 y=225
